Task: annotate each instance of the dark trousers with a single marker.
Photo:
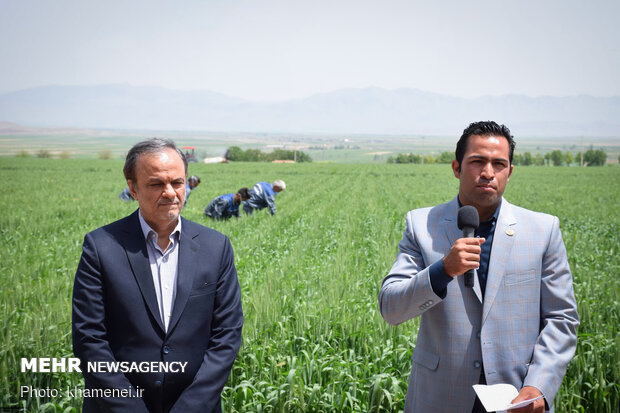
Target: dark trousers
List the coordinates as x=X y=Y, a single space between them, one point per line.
x=478 y=407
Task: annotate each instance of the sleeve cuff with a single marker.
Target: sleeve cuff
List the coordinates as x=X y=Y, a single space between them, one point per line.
x=439 y=279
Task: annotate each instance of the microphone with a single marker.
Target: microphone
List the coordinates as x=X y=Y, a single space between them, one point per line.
x=468 y=221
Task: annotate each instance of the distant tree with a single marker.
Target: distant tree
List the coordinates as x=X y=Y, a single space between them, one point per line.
x=569 y=158
x=23 y=154
x=595 y=157
x=429 y=159
x=253 y=155
x=65 y=155
x=539 y=160
x=235 y=153
x=557 y=157
x=282 y=154
x=303 y=157
x=547 y=158
x=405 y=158
x=277 y=154
x=415 y=158
x=44 y=153
x=445 y=157
x=528 y=159
x=402 y=158
x=517 y=159
x=105 y=154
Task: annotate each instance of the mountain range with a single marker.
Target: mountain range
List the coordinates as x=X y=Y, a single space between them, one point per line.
x=347 y=111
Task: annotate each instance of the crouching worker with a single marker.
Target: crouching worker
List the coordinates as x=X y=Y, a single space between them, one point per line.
x=191 y=184
x=227 y=205
x=263 y=195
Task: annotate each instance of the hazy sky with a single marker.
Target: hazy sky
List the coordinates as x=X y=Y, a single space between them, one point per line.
x=280 y=49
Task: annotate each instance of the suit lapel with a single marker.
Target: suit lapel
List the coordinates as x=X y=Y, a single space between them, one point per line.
x=503 y=239
x=449 y=221
x=453 y=233
x=188 y=258
x=135 y=247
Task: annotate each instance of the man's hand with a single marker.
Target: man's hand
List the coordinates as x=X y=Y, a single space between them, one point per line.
x=464 y=255
x=529 y=392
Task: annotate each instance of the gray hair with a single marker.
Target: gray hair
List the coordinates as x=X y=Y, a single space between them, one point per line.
x=152 y=145
x=280 y=184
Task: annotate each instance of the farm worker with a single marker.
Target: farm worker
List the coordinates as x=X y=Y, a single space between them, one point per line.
x=125 y=195
x=227 y=205
x=517 y=324
x=192 y=183
x=263 y=195
x=157 y=291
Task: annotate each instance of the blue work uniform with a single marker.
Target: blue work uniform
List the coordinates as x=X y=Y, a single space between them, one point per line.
x=126 y=195
x=188 y=191
x=262 y=196
x=222 y=207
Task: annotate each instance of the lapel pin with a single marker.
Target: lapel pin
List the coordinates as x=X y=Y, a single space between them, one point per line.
x=510 y=232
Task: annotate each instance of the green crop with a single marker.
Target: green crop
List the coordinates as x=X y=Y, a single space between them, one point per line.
x=313 y=338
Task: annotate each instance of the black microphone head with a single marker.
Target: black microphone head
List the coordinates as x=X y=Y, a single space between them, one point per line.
x=468 y=217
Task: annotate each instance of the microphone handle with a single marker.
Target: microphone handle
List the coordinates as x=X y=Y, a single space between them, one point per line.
x=468 y=232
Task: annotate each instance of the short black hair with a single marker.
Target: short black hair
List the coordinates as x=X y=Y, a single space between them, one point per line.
x=483 y=128
x=244 y=192
x=152 y=145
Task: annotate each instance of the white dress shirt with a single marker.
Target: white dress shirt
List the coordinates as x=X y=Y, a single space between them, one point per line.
x=164 y=268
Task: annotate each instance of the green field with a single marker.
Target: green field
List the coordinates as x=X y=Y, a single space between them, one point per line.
x=313 y=338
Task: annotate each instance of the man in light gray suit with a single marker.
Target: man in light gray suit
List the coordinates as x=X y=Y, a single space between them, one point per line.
x=517 y=324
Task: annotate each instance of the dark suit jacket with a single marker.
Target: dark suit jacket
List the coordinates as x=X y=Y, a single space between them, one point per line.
x=116 y=318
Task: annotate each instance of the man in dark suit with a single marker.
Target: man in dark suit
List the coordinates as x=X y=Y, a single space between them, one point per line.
x=154 y=287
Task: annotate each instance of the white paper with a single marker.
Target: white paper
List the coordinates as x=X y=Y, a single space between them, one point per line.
x=497 y=397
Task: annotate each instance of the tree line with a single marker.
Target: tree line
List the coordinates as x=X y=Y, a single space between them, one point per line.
x=556 y=158
x=236 y=154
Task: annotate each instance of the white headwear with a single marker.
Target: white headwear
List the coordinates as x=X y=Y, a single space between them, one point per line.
x=280 y=184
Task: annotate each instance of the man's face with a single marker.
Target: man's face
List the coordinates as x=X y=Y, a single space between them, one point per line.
x=484 y=172
x=159 y=187
x=276 y=188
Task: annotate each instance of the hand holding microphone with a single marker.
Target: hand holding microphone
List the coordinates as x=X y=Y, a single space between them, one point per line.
x=464 y=255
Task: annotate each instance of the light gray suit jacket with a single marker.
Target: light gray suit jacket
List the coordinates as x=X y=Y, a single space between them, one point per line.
x=525 y=330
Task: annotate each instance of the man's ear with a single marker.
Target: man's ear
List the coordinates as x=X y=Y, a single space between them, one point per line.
x=456 y=169
x=132 y=189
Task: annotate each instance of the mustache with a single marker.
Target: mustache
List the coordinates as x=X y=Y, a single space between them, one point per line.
x=176 y=201
x=486 y=182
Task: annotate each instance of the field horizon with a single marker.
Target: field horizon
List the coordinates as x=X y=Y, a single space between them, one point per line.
x=80 y=143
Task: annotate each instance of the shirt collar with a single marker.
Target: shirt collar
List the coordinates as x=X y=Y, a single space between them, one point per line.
x=146 y=228
x=495 y=215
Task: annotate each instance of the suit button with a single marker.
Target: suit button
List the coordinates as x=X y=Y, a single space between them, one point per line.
x=158 y=383
x=166 y=349
x=478 y=335
x=476 y=364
